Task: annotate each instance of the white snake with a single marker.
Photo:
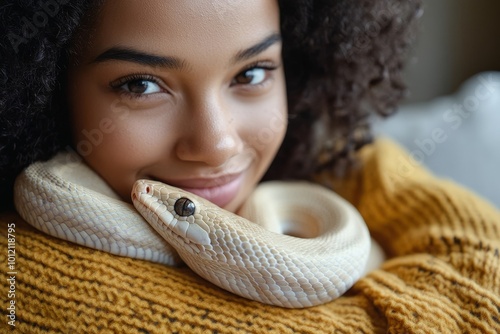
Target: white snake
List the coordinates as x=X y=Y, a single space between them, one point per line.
x=66 y=199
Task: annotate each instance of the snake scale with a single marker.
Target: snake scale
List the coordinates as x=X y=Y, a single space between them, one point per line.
x=256 y=257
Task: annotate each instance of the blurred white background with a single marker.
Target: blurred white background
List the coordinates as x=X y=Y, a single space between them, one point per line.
x=451 y=120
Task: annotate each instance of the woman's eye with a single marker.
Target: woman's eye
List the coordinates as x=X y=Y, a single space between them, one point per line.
x=253 y=76
x=141 y=86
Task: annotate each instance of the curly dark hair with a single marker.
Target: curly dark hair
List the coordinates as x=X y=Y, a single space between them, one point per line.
x=343 y=62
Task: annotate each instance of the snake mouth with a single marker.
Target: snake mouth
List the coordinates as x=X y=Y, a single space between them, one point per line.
x=165 y=218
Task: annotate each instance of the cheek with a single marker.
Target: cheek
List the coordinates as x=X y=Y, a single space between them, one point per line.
x=269 y=131
x=115 y=141
x=94 y=124
x=269 y=125
x=124 y=155
x=126 y=143
x=264 y=134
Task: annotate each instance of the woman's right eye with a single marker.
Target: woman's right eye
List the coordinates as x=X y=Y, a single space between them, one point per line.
x=141 y=86
x=137 y=85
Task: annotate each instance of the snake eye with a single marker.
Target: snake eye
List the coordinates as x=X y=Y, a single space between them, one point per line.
x=184 y=207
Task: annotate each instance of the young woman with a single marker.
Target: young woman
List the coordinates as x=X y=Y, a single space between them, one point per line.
x=213 y=97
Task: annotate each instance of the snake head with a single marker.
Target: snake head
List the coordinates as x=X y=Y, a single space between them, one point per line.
x=171 y=211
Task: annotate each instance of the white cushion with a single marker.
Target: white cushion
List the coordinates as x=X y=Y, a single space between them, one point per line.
x=455 y=136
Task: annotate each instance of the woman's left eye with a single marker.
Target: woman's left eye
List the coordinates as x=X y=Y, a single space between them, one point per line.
x=253 y=76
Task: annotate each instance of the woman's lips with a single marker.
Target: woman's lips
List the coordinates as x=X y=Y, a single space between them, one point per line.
x=219 y=191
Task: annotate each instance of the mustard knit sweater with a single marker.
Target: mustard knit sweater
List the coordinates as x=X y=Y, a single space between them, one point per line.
x=442 y=275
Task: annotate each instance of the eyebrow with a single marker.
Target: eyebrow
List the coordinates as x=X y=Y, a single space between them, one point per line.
x=139 y=57
x=143 y=58
x=257 y=48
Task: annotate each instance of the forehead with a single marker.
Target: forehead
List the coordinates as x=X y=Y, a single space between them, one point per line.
x=179 y=26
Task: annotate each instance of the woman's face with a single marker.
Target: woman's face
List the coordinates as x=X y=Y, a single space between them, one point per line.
x=190 y=93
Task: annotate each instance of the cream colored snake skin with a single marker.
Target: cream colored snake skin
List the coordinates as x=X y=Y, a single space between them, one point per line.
x=251 y=258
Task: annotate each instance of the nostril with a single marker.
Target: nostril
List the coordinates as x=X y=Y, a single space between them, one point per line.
x=148 y=189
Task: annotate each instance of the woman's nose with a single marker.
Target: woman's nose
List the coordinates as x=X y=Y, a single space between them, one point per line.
x=210 y=135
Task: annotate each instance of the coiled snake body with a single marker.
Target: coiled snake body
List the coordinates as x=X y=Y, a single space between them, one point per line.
x=248 y=256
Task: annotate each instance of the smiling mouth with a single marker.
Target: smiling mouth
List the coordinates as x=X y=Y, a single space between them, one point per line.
x=222 y=192
x=219 y=186
x=219 y=190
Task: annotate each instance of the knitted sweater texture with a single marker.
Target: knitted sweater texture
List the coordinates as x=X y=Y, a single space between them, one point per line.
x=442 y=274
